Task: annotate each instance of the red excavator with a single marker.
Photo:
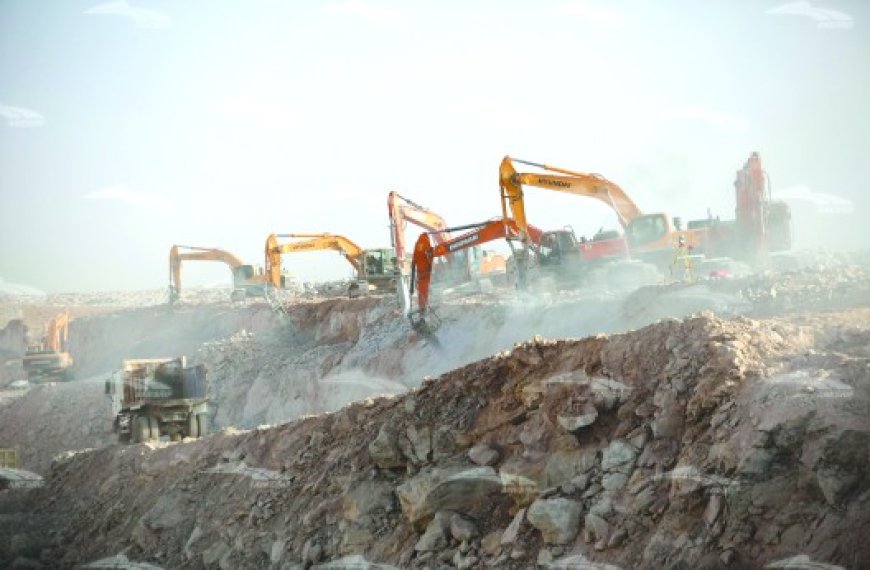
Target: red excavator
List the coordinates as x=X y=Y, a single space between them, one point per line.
x=761 y=225
x=425 y=254
x=463 y=266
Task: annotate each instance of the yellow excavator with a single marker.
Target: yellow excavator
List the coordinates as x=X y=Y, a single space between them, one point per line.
x=50 y=359
x=375 y=269
x=651 y=238
x=646 y=234
x=248 y=280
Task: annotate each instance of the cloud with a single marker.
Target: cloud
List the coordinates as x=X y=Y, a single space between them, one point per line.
x=131 y=197
x=824 y=203
x=592 y=14
x=21 y=117
x=824 y=17
x=366 y=11
x=726 y=122
x=142 y=17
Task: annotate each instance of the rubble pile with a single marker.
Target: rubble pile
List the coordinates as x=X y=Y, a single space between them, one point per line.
x=698 y=443
x=757 y=295
x=53 y=418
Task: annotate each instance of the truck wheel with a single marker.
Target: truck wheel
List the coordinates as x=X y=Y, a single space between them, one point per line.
x=202 y=424
x=192 y=426
x=141 y=429
x=153 y=428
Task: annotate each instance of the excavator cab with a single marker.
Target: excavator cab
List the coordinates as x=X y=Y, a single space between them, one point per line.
x=645 y=230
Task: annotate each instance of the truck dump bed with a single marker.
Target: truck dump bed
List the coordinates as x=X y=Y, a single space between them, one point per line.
x=162 y=379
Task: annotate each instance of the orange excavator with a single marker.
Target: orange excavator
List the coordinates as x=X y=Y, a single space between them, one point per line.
x=247 y=280
x=374 y=268
x=761 y=225
x=425 y=255
x=462 y=266
x=652 y=237
x=50 y=359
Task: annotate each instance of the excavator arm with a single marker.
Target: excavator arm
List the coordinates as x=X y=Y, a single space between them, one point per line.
x=57 y=335
x=403 y=210
x=579 y=183
x=314 y=242
x=179 y=253
x=425 y=254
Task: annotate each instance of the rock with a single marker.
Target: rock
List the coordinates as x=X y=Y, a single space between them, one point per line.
x=544 y=557
x=384 y=451
x=434 y=539
x=165 y=514
x=356 y=539
x=518 y=553
x=668 y=423
x=194 y=536
x=521 y=489
x=558 y=519
x=214 y=553
x=491 y=543
x=417 y=445
x=482 y=454
x=461 y=528
x=614 y=481
x=367 y=498
x=311 y=551
x=563 y=466
x=617 y=538
x=596 y=527
x=714 y=507
x=446 y=489
x=619 y=456
x=756 y=461
x=572 y=423
x=510 y=534
x=467 y=562
x=276 y=553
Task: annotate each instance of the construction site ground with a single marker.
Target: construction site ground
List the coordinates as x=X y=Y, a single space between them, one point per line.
x=717 y=424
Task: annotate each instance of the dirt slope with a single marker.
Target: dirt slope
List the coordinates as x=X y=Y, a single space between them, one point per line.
x=697 y=443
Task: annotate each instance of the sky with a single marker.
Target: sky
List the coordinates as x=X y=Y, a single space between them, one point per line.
x=128 y=126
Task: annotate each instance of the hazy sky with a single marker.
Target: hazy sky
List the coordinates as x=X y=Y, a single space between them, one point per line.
x=128 y=126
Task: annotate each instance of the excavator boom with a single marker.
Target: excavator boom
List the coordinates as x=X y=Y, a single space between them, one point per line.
x=403 y=210
x=179 y=253
x=425 y=253
x=579 y=183
x=312 y=242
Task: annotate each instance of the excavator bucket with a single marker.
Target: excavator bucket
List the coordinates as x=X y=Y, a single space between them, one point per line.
x=426 y=327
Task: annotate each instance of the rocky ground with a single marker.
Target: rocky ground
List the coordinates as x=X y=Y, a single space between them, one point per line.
x=715 y=440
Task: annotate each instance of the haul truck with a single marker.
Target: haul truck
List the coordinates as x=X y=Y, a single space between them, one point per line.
x=158 y=397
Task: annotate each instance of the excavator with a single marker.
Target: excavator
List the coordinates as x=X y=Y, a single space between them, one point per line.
x=761 y=225
x=375 y=268
x=461 y=266
x=50 y=359
x=247 y=280
x=648 y=236
x=425 y=255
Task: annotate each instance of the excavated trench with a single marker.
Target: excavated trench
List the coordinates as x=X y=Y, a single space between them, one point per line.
x=696 y=443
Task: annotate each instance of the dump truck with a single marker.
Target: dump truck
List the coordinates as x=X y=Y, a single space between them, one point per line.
x=159 y=397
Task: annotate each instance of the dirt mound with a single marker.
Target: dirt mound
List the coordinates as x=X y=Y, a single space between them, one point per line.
x=696 y=443
x=53 y=418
